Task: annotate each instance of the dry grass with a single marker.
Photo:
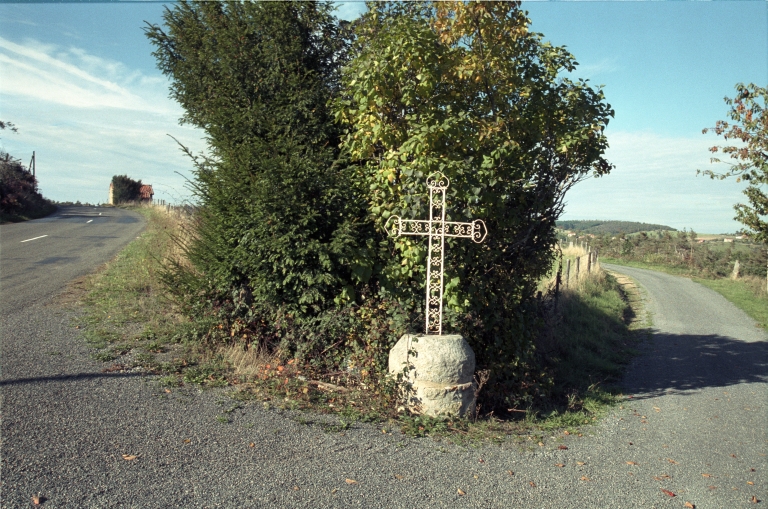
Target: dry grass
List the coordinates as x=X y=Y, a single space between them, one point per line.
x=247 y=364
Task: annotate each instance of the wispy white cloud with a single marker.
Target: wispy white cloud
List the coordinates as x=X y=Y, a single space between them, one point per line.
x=71 y=77
x=655 y=181
x=89 y=118
x=594 y=69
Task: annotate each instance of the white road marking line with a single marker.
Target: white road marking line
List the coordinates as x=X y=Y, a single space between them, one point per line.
x=40 y=237
x=88 y=221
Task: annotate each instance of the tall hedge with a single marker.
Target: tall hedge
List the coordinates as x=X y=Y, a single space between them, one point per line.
x=19 y=196
x=125 y=189
x=278 y=221
x=318 y=135
x=465 y=89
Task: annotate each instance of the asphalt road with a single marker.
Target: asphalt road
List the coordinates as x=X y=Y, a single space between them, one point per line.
x=37 y=258
x=694 y=423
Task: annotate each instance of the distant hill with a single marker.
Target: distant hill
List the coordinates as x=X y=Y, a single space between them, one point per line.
x=610 y=227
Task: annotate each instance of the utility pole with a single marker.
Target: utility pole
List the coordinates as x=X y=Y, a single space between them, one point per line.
x=32 y=164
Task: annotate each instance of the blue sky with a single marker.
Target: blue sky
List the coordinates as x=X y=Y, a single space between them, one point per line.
x=81 y=84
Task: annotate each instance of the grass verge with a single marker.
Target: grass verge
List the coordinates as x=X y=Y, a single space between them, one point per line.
x=746 y=293
x=131 y=322
x=741 y=293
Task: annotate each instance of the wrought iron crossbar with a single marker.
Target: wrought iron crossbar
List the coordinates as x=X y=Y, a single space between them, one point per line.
x=436 y=228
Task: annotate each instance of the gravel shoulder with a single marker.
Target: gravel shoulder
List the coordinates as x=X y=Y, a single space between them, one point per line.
x=696 y=405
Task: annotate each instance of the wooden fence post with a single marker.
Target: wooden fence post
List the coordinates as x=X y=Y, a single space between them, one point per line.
x=567 y=272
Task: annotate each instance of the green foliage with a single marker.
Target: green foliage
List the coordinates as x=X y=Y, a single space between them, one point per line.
x=125 y=189
x=279 y=224
x=311 y=151
x=467 y=90
x=612 y=227
x=750 y=129
x=19 y=197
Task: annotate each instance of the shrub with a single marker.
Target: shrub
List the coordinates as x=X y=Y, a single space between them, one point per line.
x=125 y=189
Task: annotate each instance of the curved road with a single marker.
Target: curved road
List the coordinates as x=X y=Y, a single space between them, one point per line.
x=695 y=424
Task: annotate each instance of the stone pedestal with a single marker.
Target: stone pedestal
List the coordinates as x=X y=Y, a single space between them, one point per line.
x=440 y=372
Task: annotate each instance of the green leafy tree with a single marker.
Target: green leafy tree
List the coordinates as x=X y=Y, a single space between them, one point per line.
x=464 y=88
x=125 y=189
x=749 y=130
x=279 y=223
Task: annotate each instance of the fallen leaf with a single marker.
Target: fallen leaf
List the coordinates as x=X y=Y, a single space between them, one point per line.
x=712 y=487
x=560 y=465
x=562 y=447
x=481 y=460
x=689 y=505
x=584 y=478
x=351 y=481
x=541 y=444
x=475 y=477
x=631 y=463
x=295 y=488
x=566 y=432
x=461 y=492
x=251 y=445
x=667 y=492
x=657 y=409
x=733 y=455
x=751 y=469
x=581 y=463
x=750 y=483
x=129 y=457
x=168 y=391
x=187 y=440
x=754 y=500
x=533 y=484
x=38 y=499
x=510 y=472
x=398 y=476
x=706 y=475
x=334 y=490
x=672 y=461
x=631 y=443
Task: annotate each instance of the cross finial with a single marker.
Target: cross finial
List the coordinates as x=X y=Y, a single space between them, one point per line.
x=436 y=228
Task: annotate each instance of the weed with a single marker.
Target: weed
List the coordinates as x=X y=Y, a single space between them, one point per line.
x=222 y=419
x=104 y=356
x=169 y=381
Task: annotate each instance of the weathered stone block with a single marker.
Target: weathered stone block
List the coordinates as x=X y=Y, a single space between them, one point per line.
x=440 y=371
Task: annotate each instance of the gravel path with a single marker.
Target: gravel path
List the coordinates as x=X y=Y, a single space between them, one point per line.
x=698 y=406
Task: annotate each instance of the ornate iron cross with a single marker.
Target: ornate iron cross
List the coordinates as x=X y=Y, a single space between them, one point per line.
x=436 y=228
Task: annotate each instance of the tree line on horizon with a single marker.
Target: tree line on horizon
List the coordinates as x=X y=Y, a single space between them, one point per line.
x=611 y=227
